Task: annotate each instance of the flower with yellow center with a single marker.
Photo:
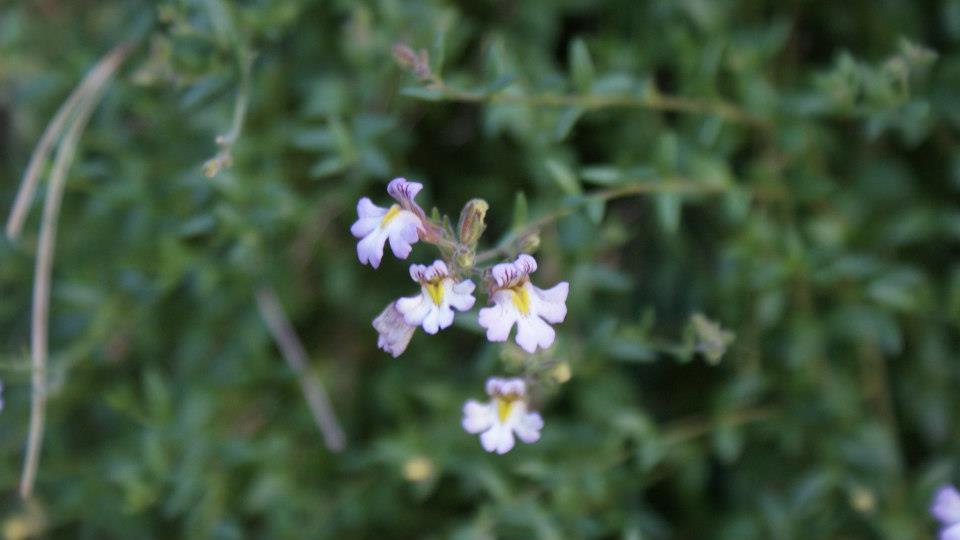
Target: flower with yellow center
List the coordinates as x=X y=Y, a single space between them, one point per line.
x=517 y=301
x=506 y=415
x=439 y=295
x=401 y=224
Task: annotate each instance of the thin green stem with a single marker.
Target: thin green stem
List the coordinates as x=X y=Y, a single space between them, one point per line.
x=679 y=186
x=649 y=100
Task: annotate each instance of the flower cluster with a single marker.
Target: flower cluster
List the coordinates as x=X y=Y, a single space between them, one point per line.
x=446 y=287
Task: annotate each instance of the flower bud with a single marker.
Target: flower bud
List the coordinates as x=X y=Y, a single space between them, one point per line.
x=529 y=243
x=471 y=221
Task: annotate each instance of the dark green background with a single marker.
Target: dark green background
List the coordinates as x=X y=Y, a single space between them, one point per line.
x=830 y=250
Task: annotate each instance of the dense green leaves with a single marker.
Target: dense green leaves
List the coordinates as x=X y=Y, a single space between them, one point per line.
x=754 y=204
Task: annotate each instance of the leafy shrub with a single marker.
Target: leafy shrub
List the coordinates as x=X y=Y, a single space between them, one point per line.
x=755 y=204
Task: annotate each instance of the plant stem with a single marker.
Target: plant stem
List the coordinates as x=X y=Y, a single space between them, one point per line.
x=31 y=176
x=293 y=352
x=650 y=100
x=93 y=88
x=670 y=185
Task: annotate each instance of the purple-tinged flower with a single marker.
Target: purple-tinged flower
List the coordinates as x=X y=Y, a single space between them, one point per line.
x=394 y=332
x=504 y=416
x=439 y=296
x=516 y=300
x=946 y=508
x=401 y=224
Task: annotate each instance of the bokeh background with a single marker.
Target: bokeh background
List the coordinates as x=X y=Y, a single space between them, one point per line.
x=822 y=229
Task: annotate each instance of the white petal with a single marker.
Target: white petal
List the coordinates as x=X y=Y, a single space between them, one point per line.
x=431 y=323
x=366 y=209
x=402 y=231
x=364 y=226
x=414 y=309
x=525 y=264
x=370 y=249
x=514 y=386
x=437 y=270
x=551 y=303
x=498 y=438
x=528 y=426
x=445 y=316
x=499 y=319
x=950 y=533
x=493 y=386
x=478 y=416
x=946 y=505
x=532 y=331
x=459 y=295
x=402 y=190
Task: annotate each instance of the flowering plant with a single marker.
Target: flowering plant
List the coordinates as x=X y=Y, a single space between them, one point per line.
x=446 y=286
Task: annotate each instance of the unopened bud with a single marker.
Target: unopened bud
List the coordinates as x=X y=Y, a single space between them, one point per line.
x=418 y=63
x=472 y=222
x=529 y=242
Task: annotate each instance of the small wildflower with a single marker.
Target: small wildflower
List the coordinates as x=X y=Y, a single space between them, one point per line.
x=439 y=296
x=516 y=300
x=394 y=332
x=946 y=509
x=504 y=416
x=402 y=223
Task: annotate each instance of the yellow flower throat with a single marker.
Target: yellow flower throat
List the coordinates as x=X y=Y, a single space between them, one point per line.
x=521 y=298
x=391 y=213
x=504 y=406
x=435 y=290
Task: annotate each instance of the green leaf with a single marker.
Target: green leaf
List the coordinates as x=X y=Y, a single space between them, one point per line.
x=421 y=92
x=519 y=210
x=501 y=83
x=565 y=122
x=603 y=175
x=581 y=66
x=668 y=211
x=564 y=177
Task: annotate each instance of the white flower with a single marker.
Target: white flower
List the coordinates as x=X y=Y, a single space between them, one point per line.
x=504 y=416
x=946 y=508
x=516 y=300
x=393 y=332
x=401 y=223
x=439 y=296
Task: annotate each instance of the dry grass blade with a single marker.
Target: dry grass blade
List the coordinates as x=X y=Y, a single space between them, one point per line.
x=279 y=325
x=28 y=185
x=88 y=95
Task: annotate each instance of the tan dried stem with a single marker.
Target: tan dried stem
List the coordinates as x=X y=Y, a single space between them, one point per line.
x=87 y=96
x=31 y=177
x=296 y=356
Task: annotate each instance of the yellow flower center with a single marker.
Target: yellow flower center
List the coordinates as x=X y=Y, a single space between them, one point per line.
x=504 y=406
x=391 y=213
x=521 y=298
x=435 y=290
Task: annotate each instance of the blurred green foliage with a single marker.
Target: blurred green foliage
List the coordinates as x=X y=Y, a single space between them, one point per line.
x=825 y=240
